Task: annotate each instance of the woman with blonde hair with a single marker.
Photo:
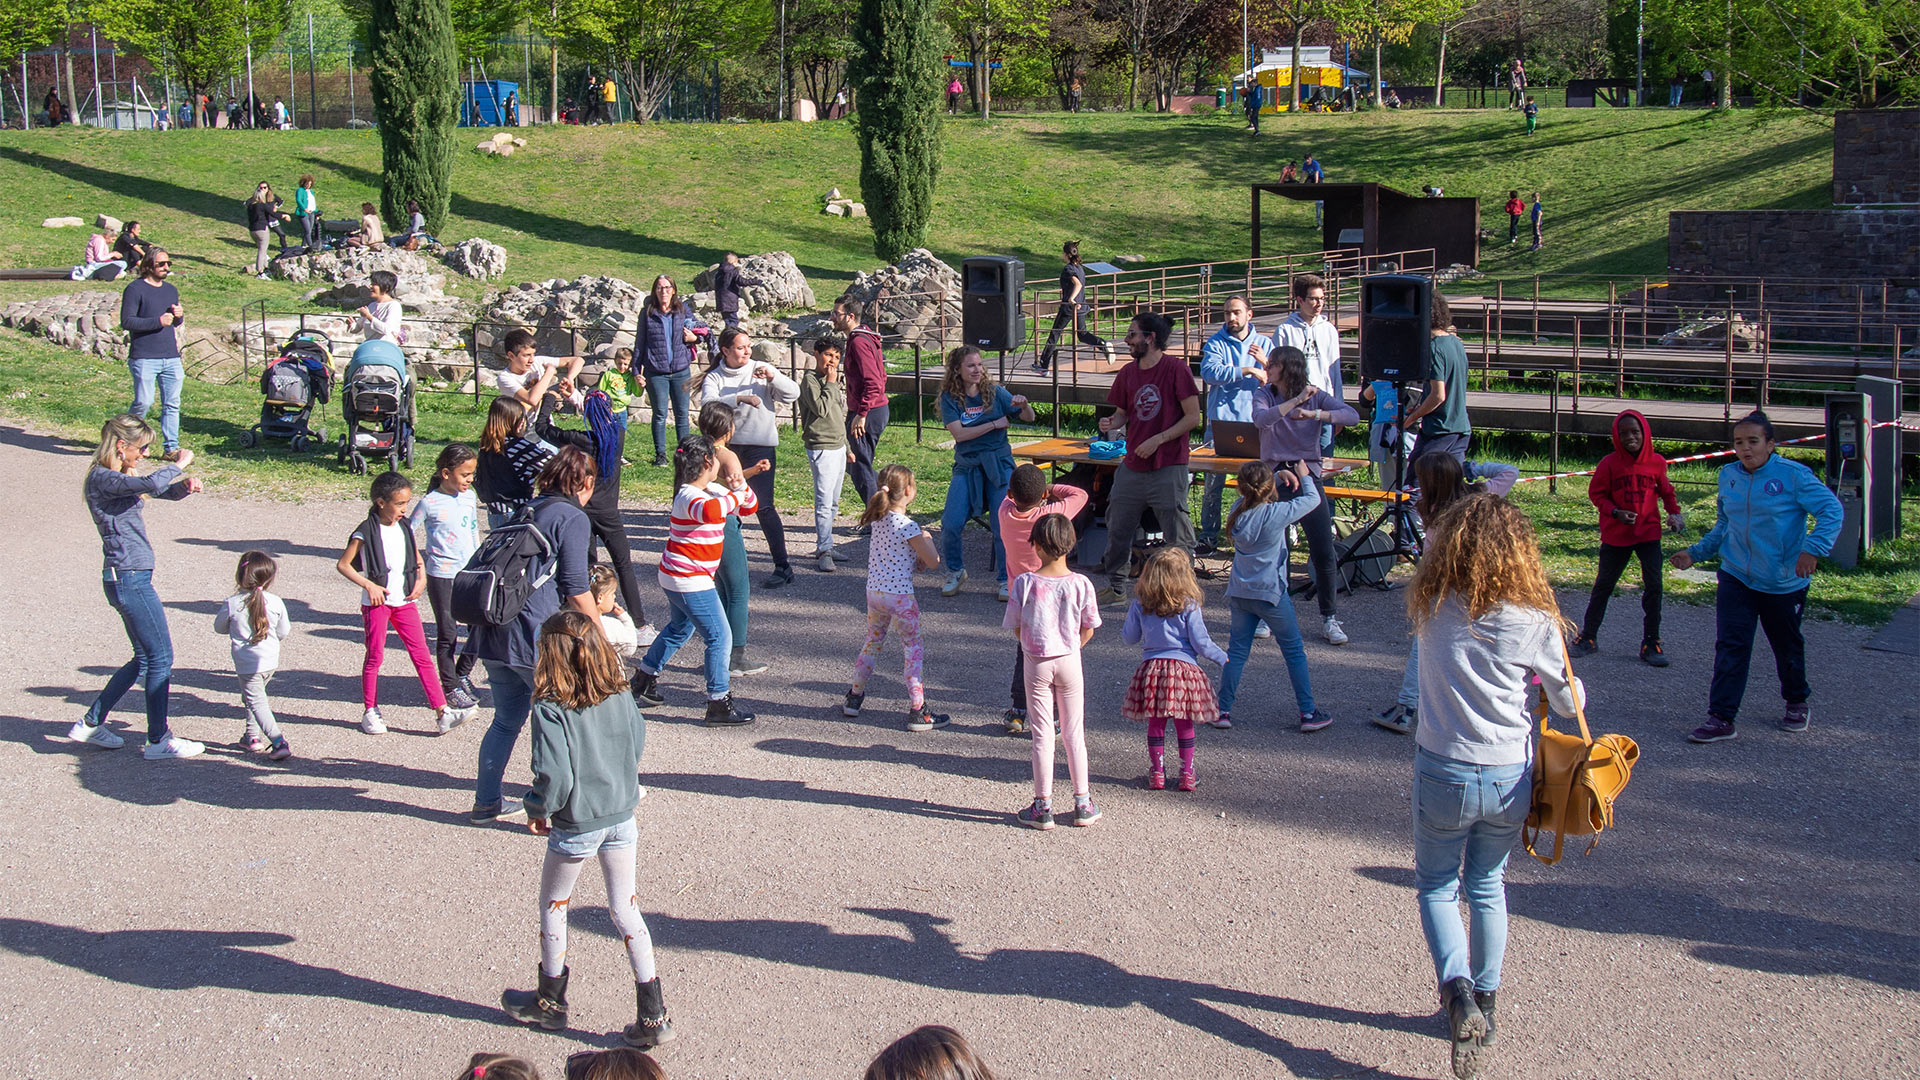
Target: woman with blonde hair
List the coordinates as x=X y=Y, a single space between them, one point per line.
x=1487 y=621
x=977 y=414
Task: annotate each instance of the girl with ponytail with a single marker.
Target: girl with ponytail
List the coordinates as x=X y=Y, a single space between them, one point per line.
x=899 y=548
x=255 y=622
x=604 y=441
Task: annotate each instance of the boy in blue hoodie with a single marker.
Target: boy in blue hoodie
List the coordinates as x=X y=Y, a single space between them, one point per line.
x=1767 y=554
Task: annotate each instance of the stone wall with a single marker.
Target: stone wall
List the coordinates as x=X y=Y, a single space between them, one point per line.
x=1876 y=156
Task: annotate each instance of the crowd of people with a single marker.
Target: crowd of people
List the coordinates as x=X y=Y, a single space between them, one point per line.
x=575 y=653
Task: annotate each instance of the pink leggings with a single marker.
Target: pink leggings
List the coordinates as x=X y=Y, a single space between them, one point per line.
x=405 y=619
x=885 y=610
x=1055 y=686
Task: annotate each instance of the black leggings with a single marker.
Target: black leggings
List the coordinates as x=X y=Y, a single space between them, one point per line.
x=1321 y=555
x=1075 y=316
x=446 y=633
x=1613 y=561
x=762 y=485
x=608 y=529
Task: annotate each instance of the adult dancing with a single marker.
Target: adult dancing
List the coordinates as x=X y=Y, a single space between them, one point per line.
x=1156 y=404
x=114 y=497
x=1308 y=329
x=603 y=441
x=754 y=390
x=1293 y=415
x=510 y=651
x=1073 y=311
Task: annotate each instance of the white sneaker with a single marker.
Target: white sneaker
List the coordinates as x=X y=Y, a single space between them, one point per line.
x=954 y=581
x=97 y=735
x=1335 y=634
x=446 y=719
x=1003 y=595
x=1262 y=630
x=371 y=723
x=173 y=746
x=644 y=634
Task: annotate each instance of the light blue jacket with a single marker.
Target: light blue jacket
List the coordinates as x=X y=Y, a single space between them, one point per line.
x=1761 y=525
x=1260 y=545
x=1229 y=393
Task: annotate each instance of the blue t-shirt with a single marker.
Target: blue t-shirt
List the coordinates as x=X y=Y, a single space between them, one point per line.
x=979 y=411
x=1537 y=211
x=1386 y=402
x=453 y=530
x=1314 y=173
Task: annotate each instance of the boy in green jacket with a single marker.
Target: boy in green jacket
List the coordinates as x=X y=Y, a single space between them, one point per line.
x=823 y=429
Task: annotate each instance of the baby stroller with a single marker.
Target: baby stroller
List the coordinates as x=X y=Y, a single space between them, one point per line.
x=377 y=395
x=293 y=383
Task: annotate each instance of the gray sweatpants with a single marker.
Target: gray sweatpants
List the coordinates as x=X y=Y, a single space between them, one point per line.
x=253 y=696
x=1165 y=491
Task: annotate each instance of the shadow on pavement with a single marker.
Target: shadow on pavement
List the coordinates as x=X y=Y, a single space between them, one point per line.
x=742 y=787
x=46 y=444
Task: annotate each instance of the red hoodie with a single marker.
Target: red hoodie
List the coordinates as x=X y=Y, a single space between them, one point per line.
x=1632 y=482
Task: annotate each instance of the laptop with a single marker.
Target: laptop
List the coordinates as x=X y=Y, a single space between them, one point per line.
x=1235 y=439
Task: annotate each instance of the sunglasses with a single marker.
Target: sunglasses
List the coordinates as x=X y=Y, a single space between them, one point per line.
x=163 y=266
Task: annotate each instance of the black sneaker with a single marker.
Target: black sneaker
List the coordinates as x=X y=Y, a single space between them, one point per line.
x=659 y=461
x=1204 y=549
x=1583 y=646
x=1653 y=654
x=1797 y=718
x=646 y=689
x=922 y=720
x=466 y=684
x=781 y=576
x=1714 y=730
x=1037 y=816
x=852 y=706
x=721 y=713
x=505 y=808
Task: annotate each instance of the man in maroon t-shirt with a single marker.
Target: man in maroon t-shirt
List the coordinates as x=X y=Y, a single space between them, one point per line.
x=1156 y=402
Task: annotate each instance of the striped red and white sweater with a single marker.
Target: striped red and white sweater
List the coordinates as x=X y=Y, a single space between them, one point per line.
x=695 y=532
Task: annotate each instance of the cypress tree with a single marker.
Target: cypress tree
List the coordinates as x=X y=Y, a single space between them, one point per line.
x=416 y=96
x=896 y=74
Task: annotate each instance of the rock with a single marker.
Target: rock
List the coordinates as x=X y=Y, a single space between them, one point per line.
x=519 y=142
x=63 y=223
x=835 y=209
x=108 y=223
x=919 y=299
x=360 y=125
x=477 y=258
x=485 y=147
x=1711 y=332
x=858 y=210
x=566 y=317
x=771 y=281
x=833 y=195
x=770 y=352
x=503 y=149
x=504 y=138
x=1129 y=258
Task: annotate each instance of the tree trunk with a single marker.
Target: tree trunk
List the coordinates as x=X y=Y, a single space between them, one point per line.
x=72 y=102
x=1299 y=35
x=1133 y=83
x=1379 y=96
x=1726 y=64
x=1440 y=73
x=553 y=85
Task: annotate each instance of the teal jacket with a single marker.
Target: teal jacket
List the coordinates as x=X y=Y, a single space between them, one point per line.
x=1761 y=526
x=586 y=763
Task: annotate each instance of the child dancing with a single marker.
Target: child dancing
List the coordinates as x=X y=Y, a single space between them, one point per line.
x=1168 y=687
x=1054 y=612
x=255 y=622
x=899 y=547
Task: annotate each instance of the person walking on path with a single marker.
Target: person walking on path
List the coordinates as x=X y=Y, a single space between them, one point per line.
x=954 y=90
x=1292 y=414
x=823 y=431
x=1539 y=214
x=1256 y=588
x=1676 y=86
x=450 y=516
x=255 y=622
x=509 y=651
x=1156 y=405
x=1255 y=98
x=1532 y=113
x=1516 y=209
x=1767 y=557
x=754 y=391
x=1233 y=364
x=114 y=498
x=1313 y=173
x=977 y=413
x=726 y=289
x=1053 y=615
x=306 y=212
x=588 y=735
x=603 y=441
x=661 y=342
x=1487 y=622
x=1074 y=310
x=1168 y=687
x=899 y=548
x=151 y=314
x=1628 y=489
x=867 y=402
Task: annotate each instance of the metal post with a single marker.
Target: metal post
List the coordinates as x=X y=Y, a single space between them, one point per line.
x=99 y=116
x=1499 y=304
x=919 y=398
x=26 y=100
x=1553 y=447
x=1727 y=410
x=1053 y=370
x=313 y=92
x=1536 y=309
x=1614 y=343
x=353 y=109
x=1576 y=363
x=1766 y=358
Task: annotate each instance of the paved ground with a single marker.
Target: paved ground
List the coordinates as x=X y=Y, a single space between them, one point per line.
x=818 y=886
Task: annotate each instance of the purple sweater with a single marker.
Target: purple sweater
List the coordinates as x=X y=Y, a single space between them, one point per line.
x=1179 y=637
x=1282 y=439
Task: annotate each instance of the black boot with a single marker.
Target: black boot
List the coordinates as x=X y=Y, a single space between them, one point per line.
x=646 y=689
x=653 y=1025
x=545 y=1007
x=1466 y=1027
x=1484 y=999
x=721 y=713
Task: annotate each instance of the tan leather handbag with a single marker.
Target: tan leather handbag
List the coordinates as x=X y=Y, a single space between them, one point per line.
x=1576 y=778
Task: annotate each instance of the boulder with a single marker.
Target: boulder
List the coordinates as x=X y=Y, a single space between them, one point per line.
x=567 y=317
x=477 y=258
x=1711 y=332
x=108 y=223
x=918 y=299
x=63 y=223
x=835 y=209
x=771 y=281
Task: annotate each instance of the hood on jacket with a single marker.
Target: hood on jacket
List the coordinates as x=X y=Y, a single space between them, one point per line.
x=1647 y=451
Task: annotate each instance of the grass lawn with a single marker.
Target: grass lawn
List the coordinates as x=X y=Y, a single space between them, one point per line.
x=635 y=201
x=69 y=394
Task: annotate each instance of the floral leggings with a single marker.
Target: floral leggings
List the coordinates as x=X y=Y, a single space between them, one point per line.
x=883 y=611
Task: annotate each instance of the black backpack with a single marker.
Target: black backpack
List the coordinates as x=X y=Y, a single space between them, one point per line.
x=514 y=561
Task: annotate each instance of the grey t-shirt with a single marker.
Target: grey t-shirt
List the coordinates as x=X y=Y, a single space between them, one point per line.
x=1473 y=682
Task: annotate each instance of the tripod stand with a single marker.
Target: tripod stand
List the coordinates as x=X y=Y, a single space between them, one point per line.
x=1398 y=516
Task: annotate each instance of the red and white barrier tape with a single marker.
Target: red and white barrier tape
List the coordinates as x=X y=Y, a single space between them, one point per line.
x=1901 y=424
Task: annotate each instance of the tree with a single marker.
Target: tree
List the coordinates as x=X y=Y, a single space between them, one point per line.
x=649 y=42
x=1838 y=52
x=198 y=42
x=28 y=24
x=415 y=77
x=1448 y=16
x=476 y=23
x=1077 y=31
x=1378 y=22
x=1296 y=16
x=896 y=71
x=985 y=26
x=819 y=41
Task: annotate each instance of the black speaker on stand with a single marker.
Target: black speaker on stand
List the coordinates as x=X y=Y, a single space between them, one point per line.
x=1396 y=346
x=991 y=314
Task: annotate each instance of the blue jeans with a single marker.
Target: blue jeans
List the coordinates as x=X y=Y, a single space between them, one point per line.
x=662 y=390
x=131 y=594
x=585 y=845
x=1410 y=678
x=168 y=372
x=1212 y=492
x=690 y=611
x=1246 y=614
x=964 y=493
x=512 y=689
x=1471 y=811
